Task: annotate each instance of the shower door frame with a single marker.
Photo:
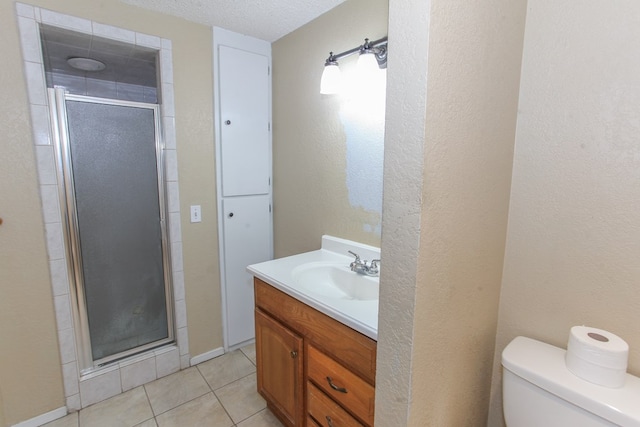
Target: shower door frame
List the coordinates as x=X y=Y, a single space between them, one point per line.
x=66 y=192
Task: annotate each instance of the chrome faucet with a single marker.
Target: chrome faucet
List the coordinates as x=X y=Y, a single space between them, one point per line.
x=362 y=267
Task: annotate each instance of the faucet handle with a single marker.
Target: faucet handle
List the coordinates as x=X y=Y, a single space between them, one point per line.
x=373 y=268
x=357 y=261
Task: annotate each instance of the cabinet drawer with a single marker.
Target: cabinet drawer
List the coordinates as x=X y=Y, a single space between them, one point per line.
x=325 y=411
x=354 y=350
x=311 y=422
x=351 y=391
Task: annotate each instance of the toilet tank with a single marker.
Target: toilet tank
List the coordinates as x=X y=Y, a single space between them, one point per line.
x=538 y=390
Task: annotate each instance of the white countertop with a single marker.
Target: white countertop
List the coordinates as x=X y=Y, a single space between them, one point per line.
x=361 y=315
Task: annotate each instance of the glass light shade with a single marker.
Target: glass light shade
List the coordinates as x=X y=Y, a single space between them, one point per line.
x=331 y=81
x=367 y=63
x=367 y=73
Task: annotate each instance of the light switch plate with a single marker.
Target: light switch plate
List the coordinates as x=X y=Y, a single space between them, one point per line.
x=196 y=213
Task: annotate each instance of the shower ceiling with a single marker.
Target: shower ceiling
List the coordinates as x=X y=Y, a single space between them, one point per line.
x=126 y=63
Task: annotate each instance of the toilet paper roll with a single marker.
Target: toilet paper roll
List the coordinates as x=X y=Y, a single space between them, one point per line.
x=597 y=356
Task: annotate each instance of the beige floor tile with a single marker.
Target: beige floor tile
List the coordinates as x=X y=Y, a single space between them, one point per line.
x=241 y=399
x=226 y=369
x=263 y=418
x=126 y=409
x=203 y=411
x=175 y=389
x=148 y=423
x=250 y=352
x=70 y=420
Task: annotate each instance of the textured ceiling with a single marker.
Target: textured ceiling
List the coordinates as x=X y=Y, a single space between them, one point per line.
x=265 y=19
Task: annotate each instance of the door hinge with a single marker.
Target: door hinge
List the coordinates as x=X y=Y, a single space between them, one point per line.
x=269 y=126
x=269 y=207
x=268 y=71
x=269 y=181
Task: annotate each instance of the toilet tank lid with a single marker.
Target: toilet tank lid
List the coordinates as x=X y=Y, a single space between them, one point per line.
x=543 y=365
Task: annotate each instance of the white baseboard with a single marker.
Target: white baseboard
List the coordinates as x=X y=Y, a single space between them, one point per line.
x=207 y=356
x=44 y=418
x=242 y=344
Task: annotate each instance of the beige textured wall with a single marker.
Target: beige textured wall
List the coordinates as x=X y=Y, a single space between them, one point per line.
x=454 y=267
x=29 y=365
x=309 y=142
x=402 y=207
x=475 y=52
x=30 y=375
x=574 y=225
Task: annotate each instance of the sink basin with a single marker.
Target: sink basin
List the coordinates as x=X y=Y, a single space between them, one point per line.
x=335 y=281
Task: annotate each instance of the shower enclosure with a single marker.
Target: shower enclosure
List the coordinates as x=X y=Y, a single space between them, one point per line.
x=109 y=155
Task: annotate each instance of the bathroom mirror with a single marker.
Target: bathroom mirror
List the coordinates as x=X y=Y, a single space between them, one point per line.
x=328 y=149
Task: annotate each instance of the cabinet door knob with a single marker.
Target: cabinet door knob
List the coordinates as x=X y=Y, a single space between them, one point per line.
x=294 y=354
x=227 y=122
x=335 y=387
x=329 y=422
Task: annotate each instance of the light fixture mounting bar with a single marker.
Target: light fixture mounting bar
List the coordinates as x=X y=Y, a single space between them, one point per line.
x=369 y=51
x=375 y=43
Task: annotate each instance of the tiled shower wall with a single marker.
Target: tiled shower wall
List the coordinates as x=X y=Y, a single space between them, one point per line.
x=104 y=89
x=81 y=391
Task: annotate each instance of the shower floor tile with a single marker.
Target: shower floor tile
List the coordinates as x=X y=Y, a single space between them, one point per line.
x=220 y=393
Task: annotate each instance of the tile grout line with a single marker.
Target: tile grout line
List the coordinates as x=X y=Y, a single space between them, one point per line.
x=211 y=390
x=216 y=396
x=150 y=407
x=225 y=385
x=183 y=403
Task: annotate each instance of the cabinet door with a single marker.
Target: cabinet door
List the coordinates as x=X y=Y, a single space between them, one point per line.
x=247 y=240
x=244 y=118
x=279 y=369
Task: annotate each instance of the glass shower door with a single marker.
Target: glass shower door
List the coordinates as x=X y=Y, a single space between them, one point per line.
x=112 y=167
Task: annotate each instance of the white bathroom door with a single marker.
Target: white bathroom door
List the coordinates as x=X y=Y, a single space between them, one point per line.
x=244 y=122
x=247 y=240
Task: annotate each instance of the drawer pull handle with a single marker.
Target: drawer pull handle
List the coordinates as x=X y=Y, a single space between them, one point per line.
x=335 y=387
x=329 y=422
x=294 y=354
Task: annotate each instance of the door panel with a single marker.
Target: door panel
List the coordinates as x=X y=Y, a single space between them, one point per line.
x=247 y=240
x=113 y=196
x=244 y=118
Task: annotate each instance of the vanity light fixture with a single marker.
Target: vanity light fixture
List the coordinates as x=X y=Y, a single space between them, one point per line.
x=371 y=54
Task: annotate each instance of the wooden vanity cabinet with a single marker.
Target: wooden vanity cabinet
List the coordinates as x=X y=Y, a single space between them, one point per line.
x=312 y=370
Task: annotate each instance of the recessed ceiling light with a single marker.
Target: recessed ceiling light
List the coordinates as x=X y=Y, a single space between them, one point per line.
x=86 y=64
